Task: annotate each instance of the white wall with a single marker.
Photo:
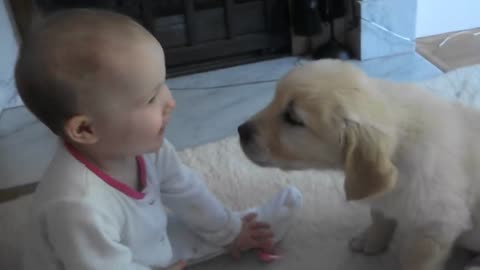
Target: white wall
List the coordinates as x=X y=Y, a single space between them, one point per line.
x=441 y=16
x=8 y=55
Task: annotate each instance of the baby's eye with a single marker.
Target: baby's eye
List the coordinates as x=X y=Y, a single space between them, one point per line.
x=152 y=99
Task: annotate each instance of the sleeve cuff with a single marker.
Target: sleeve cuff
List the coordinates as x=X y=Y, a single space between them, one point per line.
x=226 y=235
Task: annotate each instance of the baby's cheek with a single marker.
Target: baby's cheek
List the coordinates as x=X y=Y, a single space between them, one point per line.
x=155 y=123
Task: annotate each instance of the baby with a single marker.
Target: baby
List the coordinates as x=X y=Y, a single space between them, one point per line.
x=115 y=195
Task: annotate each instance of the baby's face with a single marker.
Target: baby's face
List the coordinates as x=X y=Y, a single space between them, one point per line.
x=132 y=112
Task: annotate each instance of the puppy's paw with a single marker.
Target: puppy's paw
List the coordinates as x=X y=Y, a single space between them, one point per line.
x=367 y=245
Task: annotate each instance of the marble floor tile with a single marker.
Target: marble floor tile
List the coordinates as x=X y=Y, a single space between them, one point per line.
x=8 y=56
x=26 y=147
x=259 y=71
x=409 y=67
x=387 y=27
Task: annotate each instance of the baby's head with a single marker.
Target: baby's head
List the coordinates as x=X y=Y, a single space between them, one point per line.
x=96 y=79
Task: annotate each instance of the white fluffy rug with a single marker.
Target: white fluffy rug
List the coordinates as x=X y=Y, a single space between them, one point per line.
x=319 y=239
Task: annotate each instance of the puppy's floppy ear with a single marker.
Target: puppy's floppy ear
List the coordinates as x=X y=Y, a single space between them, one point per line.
x=368 y=168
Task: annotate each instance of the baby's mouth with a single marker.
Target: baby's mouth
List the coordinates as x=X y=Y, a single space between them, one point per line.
x=162 y=129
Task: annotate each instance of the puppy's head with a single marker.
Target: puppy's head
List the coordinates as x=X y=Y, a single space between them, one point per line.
x=325 y=115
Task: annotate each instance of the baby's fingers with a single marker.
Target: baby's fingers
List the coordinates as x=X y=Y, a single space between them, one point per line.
x=249 y=217
x=260 y=235
x=235 y=253
x=178 y=266
x=258 y=225
x=266 y=244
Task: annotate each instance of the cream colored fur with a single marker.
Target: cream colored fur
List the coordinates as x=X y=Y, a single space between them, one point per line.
x=412 y=157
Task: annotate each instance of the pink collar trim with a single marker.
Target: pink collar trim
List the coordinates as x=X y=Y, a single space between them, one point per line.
x=125 y=189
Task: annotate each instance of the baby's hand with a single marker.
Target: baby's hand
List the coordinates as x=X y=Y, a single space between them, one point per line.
x=253 y=235
x=177 y=266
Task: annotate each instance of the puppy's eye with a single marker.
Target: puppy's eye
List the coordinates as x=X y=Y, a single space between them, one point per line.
x=292 y=119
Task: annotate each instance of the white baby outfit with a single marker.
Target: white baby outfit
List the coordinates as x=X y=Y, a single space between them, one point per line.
x=84 y=219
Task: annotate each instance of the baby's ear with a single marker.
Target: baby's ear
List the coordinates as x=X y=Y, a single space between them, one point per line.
x=79 y=129
x=368 y=168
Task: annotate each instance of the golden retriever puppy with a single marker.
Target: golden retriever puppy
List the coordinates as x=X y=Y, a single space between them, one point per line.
x=413 y=157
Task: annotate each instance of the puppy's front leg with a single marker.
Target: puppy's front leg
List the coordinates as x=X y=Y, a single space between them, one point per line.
x=376 y=238
x=424 y=252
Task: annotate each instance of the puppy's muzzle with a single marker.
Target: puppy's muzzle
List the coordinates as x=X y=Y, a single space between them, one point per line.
x=246 y=131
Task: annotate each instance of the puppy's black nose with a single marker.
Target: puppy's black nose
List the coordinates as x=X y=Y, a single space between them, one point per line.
x=246 y=132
